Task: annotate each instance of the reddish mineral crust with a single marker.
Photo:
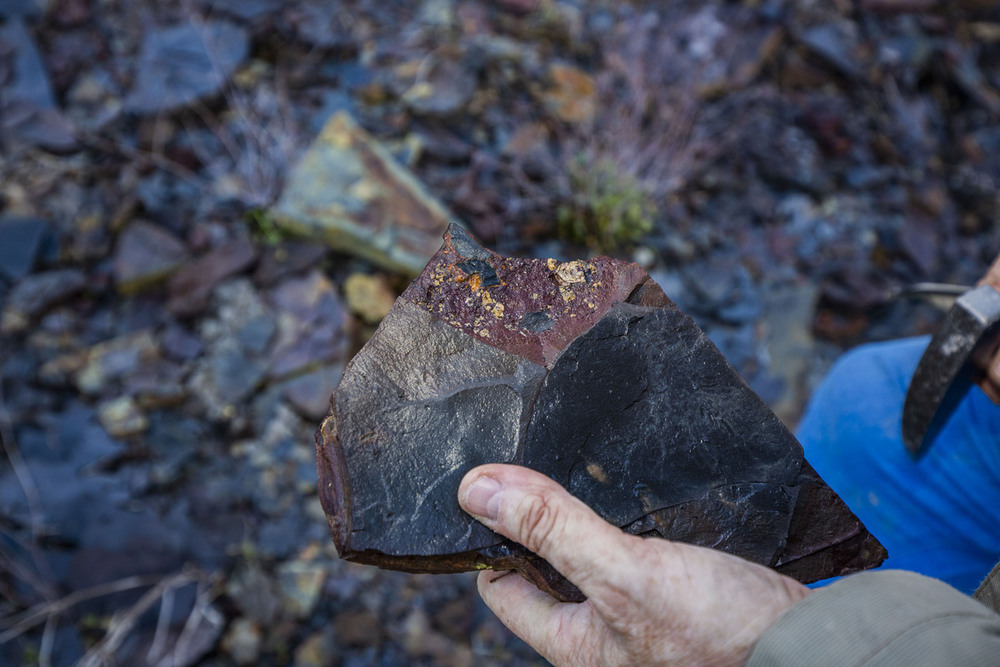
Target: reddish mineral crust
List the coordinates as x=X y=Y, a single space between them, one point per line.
x=528 y=307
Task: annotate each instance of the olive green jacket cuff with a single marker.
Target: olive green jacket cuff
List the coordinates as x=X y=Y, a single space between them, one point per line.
x=883 y=618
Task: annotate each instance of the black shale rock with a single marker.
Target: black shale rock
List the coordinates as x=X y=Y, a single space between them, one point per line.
x=584 y=371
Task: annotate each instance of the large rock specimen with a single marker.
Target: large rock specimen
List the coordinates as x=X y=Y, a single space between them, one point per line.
x=587 y=372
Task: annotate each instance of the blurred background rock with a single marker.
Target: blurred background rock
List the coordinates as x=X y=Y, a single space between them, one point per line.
x=207 y=206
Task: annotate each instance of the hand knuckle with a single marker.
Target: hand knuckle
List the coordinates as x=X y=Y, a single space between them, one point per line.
x=540 y=522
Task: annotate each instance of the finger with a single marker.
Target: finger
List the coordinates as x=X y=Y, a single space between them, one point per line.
x=992 y=276
x=533 y=510
x=554 y=629
x=991 y=388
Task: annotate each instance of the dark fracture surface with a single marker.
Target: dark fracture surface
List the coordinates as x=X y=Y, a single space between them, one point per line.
x=623 y=400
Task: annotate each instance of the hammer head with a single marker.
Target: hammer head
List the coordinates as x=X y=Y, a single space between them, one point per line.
x=958 y=352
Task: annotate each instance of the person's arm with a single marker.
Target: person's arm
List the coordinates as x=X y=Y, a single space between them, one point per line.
x=883 y=618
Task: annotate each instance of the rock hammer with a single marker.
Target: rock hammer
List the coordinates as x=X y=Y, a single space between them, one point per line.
x=958 y=356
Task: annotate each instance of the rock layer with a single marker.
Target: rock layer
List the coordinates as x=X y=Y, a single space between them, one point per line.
x=584 y=371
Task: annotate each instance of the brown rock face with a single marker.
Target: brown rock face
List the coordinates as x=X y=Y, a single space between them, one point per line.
x=584 y=371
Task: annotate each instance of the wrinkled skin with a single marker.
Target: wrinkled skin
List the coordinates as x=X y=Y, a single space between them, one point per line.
x=650 y=602
x=990 y=383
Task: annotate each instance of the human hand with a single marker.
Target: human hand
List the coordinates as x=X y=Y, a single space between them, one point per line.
x=990 y=382
x=649 y=601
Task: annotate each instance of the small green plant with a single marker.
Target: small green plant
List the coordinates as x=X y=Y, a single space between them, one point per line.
x=607 y=209
x=263 y=226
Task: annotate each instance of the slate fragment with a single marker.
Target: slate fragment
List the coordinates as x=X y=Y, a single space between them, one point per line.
x=146 y=255
x=349 y=192
x=184 y=63
x=584 y=371
x=28 y=110
x=191 y=286
x=36 y=294
x=21 y=240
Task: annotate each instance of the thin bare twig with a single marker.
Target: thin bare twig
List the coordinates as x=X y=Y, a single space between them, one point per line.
x=162 y=625
x=48 y=641
x=17 y=624
x=36 y=515
x=122 y=624
x=202 y=610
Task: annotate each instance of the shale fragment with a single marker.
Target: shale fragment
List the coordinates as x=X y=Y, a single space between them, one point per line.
x=587 y=372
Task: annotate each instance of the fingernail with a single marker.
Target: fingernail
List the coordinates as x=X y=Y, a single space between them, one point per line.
x=482 y=498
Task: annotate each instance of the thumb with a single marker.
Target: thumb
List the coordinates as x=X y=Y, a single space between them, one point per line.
x=535 y=511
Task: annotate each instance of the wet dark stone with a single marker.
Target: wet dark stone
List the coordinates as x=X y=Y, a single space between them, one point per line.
x=36 y=294
x=20 y=8
x=628 y=405
x=235 y=375
x=191 y=285
x=287 y=258
x=309 y=393
x=181 y=64
x=20 y=241
x=256 y=334
x=145 y=255
x=315 y=325
x=180 y=344
x=835 y=46
x=28 y=111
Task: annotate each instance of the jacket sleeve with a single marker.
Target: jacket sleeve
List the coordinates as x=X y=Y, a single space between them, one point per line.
x=883 y=618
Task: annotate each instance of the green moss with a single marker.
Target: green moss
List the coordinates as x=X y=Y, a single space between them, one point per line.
x=483 y=566
x=607 y=209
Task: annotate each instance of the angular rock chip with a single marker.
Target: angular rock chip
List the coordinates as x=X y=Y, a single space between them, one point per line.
x=21 y=239
x=37 y=293
x=145 y=256
x=350 y=192
x=184 y=63
x=191 y=285
x=586 y=372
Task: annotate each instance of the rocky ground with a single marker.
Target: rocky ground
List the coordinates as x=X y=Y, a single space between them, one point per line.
x=173 y=319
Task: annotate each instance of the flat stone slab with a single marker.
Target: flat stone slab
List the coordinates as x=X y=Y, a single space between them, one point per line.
x=349 y=192
x=584 y=371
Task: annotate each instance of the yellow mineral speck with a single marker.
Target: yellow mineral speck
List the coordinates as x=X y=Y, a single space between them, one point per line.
x=487 y=299
x=597 y=472
x=485 y=333
x=571 y=273
x=590 y=305
x=475 y=282
x=534 y=297
x=552 y=264
x=498 y=310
